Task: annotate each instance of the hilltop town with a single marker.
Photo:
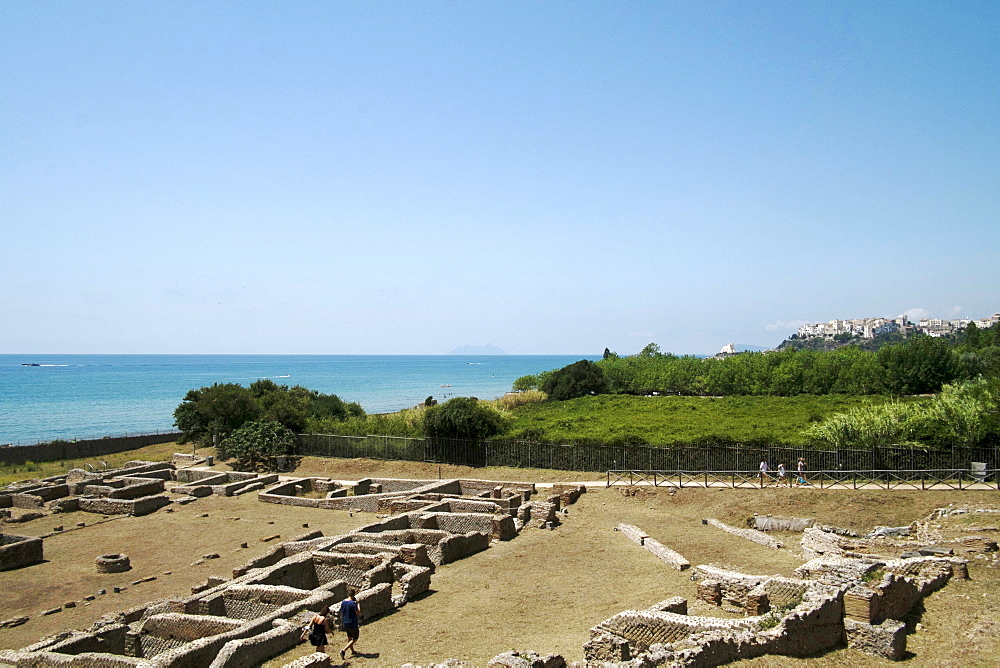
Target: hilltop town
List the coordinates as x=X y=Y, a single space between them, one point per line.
x=870 y=328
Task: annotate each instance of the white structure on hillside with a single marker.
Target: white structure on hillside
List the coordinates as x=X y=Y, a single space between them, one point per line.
x=869 y=328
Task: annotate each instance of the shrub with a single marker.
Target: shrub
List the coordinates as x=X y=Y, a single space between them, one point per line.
x=463 y=417
x=256 y=443
x=575 y=380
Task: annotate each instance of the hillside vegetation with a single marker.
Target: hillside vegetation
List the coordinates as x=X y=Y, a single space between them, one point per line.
x=664 y=420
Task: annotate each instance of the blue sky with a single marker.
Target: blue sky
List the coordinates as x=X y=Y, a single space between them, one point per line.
x=549 y=177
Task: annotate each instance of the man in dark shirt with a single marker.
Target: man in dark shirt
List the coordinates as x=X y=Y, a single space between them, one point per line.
x=350 y=614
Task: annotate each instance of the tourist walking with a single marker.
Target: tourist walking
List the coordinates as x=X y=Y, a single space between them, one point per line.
x=763 y=472
x=318 y=627
x=782 y=477
x=801 y=467
x=350 y=615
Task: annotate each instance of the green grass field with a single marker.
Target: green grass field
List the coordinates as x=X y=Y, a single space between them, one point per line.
x=670 y=419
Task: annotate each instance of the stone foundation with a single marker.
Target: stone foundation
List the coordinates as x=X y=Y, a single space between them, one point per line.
x=112 y=563
x=19 y=551
x=662 y=552
x=260 y=612
x=753 y=535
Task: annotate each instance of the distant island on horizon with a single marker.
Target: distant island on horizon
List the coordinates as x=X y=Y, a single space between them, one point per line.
x=488 y=349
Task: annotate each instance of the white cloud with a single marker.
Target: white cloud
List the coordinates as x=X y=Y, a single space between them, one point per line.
x=642 y=335
x=916 y=314
x=955 y=310
x=785 y=324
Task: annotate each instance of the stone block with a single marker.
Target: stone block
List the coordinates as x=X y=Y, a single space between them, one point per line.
x=112 y=563
x=666 y=555
x=861 y=603
x=522 y=659
x=886 y=640
x=776 y=523
x=677 y=605
x=314 y=660
x=710 y=591
x=605 y=647
x=633 y=533
x=19 y=551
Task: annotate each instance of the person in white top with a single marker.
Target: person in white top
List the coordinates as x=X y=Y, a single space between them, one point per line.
x=763 y=472
x=782 y=478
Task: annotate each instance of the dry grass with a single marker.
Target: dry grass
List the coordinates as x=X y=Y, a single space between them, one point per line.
x=155 y=544
x=352 y=469
x=153 y=453
x=541 y=591
x=544 y=590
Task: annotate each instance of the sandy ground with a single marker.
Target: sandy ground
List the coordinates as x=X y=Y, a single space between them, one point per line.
x=163 y=545
x=541 y=591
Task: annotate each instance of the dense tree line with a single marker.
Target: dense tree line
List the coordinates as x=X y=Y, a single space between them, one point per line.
x=918 y=365
x=214 y=413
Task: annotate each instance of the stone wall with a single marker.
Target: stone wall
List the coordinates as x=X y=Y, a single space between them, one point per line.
x=141 y=506
x=87 y=449
x=667 y=638
x=753 y=535
x=260 y=612
x=661 y=551
x=277 y=553
x=203 y=483
x=126 y=488
x=249 y=601
x=744 y=591
x=777 y=523
x=255 y=650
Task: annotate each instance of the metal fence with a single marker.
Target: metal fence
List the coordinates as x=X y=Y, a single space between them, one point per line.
x=927 y=479
x=592 y=457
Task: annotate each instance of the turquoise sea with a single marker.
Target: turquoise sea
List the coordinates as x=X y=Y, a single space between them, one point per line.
x=89 y=396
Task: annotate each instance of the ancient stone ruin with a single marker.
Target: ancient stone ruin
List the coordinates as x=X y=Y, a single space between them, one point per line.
x=135 y=489
x=843 y=593
x=259 y=612
x=113 y=563
x=19 y=551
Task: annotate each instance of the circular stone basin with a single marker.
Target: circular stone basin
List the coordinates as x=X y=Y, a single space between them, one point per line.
x=112 y=563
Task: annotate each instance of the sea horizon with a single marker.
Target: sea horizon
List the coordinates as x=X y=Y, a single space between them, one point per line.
x=81 y=396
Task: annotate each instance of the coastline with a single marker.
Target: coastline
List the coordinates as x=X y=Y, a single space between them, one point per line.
x=92 y=396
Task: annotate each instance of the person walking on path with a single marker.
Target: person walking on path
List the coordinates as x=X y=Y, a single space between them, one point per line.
x=783 y=479
x=318 y=626
x=350 y=614
x=801 y=467
x=763 y=473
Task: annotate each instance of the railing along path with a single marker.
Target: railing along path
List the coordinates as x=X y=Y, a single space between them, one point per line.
x=929 y=479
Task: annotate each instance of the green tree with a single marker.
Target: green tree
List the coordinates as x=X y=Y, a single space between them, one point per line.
x=922 y=365
x=575 y=380
x=970 y=335
x=463 y=417
x=525 y=383
x=220 y=409
x=289 y=406
x=214 y=411
x=650 y=350
x=257 y=443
